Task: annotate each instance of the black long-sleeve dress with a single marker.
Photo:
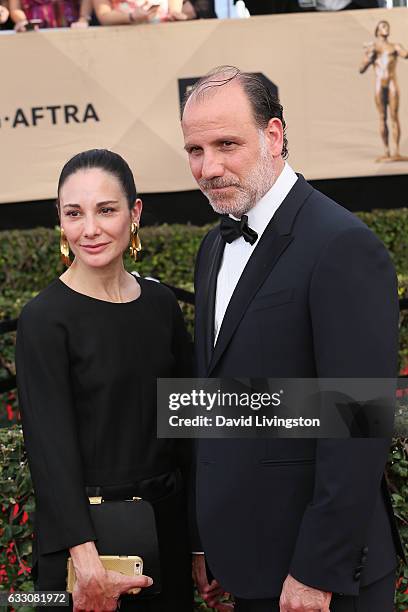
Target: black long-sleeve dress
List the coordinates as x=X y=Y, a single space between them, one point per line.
x=86 y=375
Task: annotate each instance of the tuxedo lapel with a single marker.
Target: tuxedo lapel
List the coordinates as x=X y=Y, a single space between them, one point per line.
x=275 y=239
x=259 y=265
x=215 y=255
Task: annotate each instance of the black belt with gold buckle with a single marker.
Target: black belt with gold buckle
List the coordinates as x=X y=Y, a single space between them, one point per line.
x=151 y=489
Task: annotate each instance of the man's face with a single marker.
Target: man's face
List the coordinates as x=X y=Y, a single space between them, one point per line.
x=231 y=159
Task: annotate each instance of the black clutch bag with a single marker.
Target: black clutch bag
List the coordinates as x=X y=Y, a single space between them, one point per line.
x=127 y=528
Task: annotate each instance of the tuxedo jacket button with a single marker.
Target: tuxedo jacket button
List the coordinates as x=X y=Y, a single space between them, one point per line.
x=365 y=550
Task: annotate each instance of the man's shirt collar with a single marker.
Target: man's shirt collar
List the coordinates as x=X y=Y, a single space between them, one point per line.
x=263 y=211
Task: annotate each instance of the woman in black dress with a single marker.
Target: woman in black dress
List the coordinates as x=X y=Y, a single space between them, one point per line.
x=89 y=350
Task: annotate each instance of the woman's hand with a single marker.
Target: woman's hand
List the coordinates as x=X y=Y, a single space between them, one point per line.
x=210 y=593
x=21 y=26
x=96 y=588
x=81 y=24
x=176 y=16
x=101 y=589
x=144 y=14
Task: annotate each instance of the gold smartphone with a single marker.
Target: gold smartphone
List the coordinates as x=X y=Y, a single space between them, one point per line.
x=130 y=566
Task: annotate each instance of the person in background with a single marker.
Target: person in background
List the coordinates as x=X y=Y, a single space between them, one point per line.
x=64 y=14
x=345 y=5
x=266 y=7
x=4 y=14
x=135 y=12
x=199 y=9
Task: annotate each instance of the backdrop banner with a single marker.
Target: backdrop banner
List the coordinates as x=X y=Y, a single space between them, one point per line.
x=341 y=78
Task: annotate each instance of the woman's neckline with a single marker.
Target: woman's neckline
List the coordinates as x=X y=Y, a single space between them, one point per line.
x=94 y=299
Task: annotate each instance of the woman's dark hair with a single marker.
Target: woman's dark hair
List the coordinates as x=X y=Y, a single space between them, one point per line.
x=264 y=104
x=104 y=160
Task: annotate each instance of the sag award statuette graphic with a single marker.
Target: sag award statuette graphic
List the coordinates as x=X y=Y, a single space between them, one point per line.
x=383 y=56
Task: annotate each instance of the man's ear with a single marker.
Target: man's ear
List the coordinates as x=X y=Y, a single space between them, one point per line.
x=274 y=136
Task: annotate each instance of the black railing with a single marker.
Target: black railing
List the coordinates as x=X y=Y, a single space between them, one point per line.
x=10 y=325
x=185 y=296
x=8 y=384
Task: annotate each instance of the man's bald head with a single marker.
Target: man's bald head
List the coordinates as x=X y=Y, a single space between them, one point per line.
x=263 y=103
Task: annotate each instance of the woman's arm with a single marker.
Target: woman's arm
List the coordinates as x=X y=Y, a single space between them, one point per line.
x=175 y=5
x=85 y=12
x=106 y=15
x=50 y=428
x=182 y=345
x=109 y=16
x=17 y=15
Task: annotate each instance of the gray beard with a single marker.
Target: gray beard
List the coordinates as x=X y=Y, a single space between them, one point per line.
x=259 y=182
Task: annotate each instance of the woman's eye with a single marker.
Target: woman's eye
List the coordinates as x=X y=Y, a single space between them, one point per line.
x=106 y=210
x=72 y=213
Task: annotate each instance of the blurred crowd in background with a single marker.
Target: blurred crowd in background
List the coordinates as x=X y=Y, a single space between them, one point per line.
x=28 y=15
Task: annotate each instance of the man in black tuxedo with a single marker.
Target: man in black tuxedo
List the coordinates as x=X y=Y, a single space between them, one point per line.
x=289 y=285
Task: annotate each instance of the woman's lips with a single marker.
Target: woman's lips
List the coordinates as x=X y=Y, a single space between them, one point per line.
x=94 y=248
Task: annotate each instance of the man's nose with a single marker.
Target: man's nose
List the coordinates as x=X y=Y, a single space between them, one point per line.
x=212 y=166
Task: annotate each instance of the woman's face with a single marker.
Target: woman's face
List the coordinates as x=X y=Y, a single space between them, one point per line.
x=95 y=216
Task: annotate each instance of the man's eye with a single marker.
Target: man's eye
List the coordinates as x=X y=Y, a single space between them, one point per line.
x=228 y=143
x=194 y=150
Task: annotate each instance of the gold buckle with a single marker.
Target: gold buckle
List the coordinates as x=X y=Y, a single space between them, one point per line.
x=95 y=500
x=98 y=499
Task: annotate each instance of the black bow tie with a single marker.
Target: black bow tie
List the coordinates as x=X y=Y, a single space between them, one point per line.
x=231 y=229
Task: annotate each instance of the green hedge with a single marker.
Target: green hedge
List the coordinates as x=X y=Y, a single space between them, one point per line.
x=29 y=260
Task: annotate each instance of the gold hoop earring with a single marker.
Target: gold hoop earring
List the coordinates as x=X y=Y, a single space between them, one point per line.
x=135 y=244
x=64 y=249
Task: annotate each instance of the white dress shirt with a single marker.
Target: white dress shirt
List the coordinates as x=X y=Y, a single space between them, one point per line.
x=331 y=5
x=237 y=253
